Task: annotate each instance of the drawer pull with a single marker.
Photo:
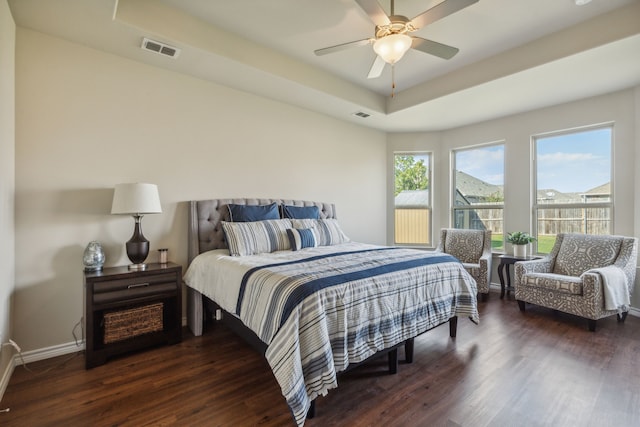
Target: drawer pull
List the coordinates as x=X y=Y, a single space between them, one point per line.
x=137 y=285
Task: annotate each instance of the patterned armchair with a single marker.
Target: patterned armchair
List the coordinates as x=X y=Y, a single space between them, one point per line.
x=473 y=249
x=586 y=275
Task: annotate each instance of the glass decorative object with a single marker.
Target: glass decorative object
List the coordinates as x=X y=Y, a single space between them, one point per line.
x=93 y=258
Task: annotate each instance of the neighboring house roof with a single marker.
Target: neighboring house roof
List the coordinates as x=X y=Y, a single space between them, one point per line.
x=604 y=190
x=551 y=195
x=412 y=198
x=468 y=186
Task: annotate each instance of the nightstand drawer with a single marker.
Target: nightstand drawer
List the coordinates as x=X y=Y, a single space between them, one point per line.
x=137 y=290
x=142 y=281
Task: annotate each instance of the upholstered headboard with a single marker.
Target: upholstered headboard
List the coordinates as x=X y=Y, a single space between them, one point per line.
x=205 y=217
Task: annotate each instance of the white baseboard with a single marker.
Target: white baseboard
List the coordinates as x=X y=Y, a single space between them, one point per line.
x=49 y=352
x=13 y=359
x=7 y=365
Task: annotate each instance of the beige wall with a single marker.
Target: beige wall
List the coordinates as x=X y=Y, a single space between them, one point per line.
x=89 y=120
x=516 y=131
x=7 y=179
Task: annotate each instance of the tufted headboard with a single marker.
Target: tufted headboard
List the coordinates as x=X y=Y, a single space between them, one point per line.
x=205 y=216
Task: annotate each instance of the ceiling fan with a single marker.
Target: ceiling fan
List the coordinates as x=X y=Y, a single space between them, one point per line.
x=391 y=39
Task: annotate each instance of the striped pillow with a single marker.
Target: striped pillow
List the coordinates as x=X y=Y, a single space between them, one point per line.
x=249 y=238
x=327 y=231
x=301 y=238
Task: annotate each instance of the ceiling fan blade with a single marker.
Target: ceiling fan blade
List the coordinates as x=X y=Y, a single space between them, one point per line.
x=339 y=47
x=443 y=9
x=434 y=48
x=376 y=68
x=375 y=11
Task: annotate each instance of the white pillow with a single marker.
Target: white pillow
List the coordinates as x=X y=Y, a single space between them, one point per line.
x=249 y=238
x=327 y=231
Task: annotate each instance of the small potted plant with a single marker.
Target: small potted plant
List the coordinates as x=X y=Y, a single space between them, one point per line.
x=520 y=240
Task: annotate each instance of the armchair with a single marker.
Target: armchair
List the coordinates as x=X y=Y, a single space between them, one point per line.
x=473 y=249
x=586 y=275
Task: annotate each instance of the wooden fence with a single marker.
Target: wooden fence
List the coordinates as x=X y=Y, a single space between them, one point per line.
x=412 y=224
x=586 y=220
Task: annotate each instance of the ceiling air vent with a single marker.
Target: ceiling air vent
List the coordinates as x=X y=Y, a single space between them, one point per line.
x=361 y=114
x=161 y=48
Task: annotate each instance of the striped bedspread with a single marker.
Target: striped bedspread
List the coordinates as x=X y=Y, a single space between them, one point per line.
x=320 y=313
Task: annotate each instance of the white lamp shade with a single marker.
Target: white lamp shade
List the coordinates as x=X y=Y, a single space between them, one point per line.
x=392 y=48
x=135 y=199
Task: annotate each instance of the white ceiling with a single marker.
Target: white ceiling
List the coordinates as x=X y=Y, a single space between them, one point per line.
x=515 y=55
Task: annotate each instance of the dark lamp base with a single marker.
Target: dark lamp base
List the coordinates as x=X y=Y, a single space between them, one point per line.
x=137 y=246
x=137 y=267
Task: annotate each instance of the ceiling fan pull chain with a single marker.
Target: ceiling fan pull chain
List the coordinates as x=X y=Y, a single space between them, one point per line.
x=393 y=80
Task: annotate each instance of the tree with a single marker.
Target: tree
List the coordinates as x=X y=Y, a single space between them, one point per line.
x=410 y=174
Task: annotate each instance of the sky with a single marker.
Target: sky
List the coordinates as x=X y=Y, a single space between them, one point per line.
x=485 y=163
x=575 y=162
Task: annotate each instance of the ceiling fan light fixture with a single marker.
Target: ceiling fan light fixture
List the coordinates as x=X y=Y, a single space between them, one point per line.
x=392 y=48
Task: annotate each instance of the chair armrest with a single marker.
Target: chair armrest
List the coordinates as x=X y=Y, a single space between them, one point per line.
x=627 y=259
x=592 y=287
x=535 y=266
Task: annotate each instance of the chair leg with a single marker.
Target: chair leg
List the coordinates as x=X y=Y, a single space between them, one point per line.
x=521 y=304
x=592 y=325
x=622 y=317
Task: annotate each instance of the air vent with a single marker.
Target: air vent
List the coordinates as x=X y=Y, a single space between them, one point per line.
x=361 y=114
x=160 y=48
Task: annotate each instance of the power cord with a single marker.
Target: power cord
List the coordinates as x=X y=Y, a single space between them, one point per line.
x=63 y=362
x=57 y=365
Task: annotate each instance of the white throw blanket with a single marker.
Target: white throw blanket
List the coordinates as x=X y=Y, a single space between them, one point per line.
x=616 y=293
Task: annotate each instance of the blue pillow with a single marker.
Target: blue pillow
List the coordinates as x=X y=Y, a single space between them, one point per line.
x=300 y=212
x=301 y=238
x=247 y=213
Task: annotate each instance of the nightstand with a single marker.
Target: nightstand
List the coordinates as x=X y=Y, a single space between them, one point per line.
x=127 y=310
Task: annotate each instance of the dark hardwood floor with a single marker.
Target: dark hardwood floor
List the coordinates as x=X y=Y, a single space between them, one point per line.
x=534 y=369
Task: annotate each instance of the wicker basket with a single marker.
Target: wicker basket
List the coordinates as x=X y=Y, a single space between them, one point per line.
x=125 y=324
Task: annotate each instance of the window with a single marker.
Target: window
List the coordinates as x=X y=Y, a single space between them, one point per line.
x=573 y=184
x=478 y=186
x=412 y=199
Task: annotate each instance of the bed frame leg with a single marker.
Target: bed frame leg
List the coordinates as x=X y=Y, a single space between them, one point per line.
x=408 y=350
x=312 y=409
x=453 y=326
x=393 y=361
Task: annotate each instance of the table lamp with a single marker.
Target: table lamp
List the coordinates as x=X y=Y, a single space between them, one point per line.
x=136 y=200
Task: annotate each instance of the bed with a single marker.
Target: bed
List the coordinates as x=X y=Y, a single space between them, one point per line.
x=323 y=303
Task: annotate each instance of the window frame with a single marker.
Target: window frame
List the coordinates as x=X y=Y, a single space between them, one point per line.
x=429 y=208
x=536 y=206
x=454 y=186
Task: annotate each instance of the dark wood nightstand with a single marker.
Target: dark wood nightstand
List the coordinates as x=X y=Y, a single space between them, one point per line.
x=507 y=260
x=127 y=310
